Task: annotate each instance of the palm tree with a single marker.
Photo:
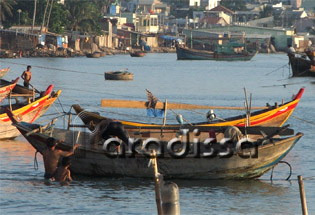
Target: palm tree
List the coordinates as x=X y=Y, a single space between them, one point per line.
x=6 y=9
x=83 y=15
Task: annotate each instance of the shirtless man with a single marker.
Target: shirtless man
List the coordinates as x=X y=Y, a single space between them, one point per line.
x=51 y=157
x=62 y=173
x=26 y=76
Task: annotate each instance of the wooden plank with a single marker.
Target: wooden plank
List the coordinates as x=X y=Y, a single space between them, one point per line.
x=114 y=103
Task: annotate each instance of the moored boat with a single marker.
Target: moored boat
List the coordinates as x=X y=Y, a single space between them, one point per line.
x=118 y=75
x=227 y=52
x=273 y=116
x=302 y=64
x=93 y=55
x=6 y=88
x=28 y=111
x=190 y=161
x=137 y=54
x=3 y=72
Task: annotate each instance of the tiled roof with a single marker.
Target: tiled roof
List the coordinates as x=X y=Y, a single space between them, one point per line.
x=222 y=8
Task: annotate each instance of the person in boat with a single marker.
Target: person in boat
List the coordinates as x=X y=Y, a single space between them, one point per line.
x=63 y=173
x=51 y=156
x=108 y=128
x=27 y=76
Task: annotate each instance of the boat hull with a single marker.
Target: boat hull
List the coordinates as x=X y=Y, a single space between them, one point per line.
x=6 y=88
x=124 y=76
x=192 y=54
x=97 y=162
x=3 y=72
x=137 y=54
x=88 y=162
x=28 y=113
x=273 y=117
x=300 y=66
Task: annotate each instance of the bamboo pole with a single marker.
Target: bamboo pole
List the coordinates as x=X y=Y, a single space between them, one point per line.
x=302 y=195
x=156 y=183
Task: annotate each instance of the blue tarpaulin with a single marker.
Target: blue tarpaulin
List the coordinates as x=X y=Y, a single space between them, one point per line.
x=59 y=41
x=155 y=112
x=171 y=38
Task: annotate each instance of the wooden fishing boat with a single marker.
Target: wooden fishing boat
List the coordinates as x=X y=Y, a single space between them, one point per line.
x=193 y=160
x=93 y=55
x=21 y=91
x=6 y=88
x=302 y=65
x=137 y=54
x=3 y=72
x=118 y=75
x=227 y=52
x=273 y=116
x=27 y=111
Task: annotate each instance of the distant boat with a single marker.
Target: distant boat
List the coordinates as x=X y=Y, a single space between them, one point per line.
x=226 y=52
x=137 y=54
x=93 y=55
x=118 y=75
x=302 y=64
x=3 y=72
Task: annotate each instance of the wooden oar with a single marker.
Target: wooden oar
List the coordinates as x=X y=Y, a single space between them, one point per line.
x=115 y=103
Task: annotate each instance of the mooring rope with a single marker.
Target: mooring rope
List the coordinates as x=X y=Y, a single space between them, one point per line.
x=271 y=176
x=312 y=123
x=57 y=69
x=35 y=161
x=275 y=70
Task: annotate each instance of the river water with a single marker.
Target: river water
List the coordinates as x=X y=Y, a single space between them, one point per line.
x=23 y=191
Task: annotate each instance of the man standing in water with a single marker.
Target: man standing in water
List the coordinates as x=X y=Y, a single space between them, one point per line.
x=51 y=157
x=27 y=76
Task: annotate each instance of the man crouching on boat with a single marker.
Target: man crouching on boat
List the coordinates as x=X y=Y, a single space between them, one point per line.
x=108 y=128
x=51 y=157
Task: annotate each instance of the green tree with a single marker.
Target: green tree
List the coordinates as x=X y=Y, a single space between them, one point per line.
x=83 y=16
x=58 y=19
x=103 y=5
x=6 y=7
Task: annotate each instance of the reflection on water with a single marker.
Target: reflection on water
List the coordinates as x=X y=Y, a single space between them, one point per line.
x=22 y=189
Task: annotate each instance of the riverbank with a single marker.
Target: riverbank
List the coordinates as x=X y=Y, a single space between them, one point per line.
x=69 y=52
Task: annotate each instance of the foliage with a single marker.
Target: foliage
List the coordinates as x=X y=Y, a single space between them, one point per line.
x=6 y=7
x=83 y=15
x=59 y=19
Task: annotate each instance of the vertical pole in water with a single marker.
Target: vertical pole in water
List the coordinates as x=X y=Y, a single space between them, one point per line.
x=302 y=195
x=156 y=183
